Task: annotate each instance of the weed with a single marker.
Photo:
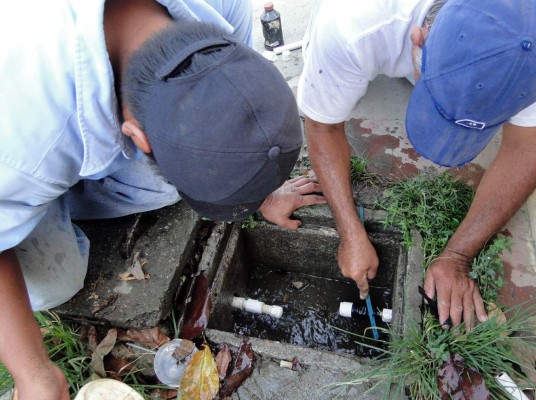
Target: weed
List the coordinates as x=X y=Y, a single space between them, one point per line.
x=412 y=361
x=487 y=269
x=433 y=204
x=64 y=348
x=249 y=222
x=358 y=168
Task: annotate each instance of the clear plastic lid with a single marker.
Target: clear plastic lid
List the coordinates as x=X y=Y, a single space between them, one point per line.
x=167 y=368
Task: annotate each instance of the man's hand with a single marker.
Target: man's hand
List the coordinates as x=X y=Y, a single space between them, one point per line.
x=457 y=294
x=293 y=194
x=48 y=382
x=358 y=261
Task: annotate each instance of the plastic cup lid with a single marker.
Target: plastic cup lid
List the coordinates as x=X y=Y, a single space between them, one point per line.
x=166 y=367
x=107 y=389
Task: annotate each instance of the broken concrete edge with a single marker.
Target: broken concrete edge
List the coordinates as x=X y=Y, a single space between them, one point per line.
x=140 y=304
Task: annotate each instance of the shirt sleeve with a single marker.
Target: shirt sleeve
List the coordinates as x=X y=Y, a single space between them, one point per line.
x=24 y=201
x=526 y=117
x=332 y=81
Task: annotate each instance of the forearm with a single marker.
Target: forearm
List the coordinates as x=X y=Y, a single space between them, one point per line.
x=22 y=349
x=330 y=157
x=508 y=182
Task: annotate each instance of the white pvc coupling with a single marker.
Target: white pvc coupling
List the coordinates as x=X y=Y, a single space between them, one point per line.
x=256 y=306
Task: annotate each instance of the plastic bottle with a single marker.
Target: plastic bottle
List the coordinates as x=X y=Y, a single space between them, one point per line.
x=359 y=310
x=271 y=27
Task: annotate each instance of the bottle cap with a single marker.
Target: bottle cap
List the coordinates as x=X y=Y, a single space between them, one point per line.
x=345 y=309
x=387 y=315
x=268 y=6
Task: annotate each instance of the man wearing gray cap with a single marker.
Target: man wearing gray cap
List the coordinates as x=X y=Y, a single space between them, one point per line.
x=88 y=88
x=477 y=64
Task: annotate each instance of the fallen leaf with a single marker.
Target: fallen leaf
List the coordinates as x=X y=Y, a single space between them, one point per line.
x=184 y=349
x=223 y=358
x=153 y=337
x=164 y=394
x=495 y=311
x=241 y=368
x=459 y=383
x=135 y=272
x=200 y=379
x=197 y=310
x=473 y=385
x=104 y=347
x=92 y=341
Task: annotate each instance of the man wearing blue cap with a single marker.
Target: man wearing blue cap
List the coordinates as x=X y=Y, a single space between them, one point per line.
x=486 y=79
x=478 y=69
x=90 y=86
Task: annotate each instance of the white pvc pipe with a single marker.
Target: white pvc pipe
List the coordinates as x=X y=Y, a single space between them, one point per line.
x=290 y=47
x=510 y=386
x=256 y=306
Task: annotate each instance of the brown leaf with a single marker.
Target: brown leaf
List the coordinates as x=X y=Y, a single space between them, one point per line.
x=92 y=341
x=448 y=377
x=153 y=337
x=456 y=382
x=116 y=366
x=241 y=368
x=184 y=349
x=473 y=386
x=104 y=347
x=164 y=394
x=197 y=310
x=223 y=358
x=135 y=272
x=200 y=379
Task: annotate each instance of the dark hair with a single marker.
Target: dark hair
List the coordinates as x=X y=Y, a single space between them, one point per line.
x=157 y=51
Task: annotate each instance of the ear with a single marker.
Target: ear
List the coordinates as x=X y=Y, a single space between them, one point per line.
x=132 y=129
x=418 y=36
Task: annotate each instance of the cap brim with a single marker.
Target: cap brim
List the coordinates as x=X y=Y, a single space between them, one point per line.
x=219 y=212
x=439 y=140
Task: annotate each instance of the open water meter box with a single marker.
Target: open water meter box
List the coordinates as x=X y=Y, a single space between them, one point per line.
x=298 y=272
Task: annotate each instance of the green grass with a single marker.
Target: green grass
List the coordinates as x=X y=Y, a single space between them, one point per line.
x=433 y=204
x=64 y=348
x=411 y=361
x=71 y=355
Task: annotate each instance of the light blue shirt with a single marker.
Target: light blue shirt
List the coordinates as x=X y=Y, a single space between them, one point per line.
x=59 y=122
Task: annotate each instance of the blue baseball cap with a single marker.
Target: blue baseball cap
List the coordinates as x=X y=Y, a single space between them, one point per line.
x=227 y=136
x=478 y=71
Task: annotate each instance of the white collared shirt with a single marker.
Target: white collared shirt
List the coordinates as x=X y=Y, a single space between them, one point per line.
x=59 y=112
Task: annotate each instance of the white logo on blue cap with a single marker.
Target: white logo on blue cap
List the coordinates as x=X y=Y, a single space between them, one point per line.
x=469 y=123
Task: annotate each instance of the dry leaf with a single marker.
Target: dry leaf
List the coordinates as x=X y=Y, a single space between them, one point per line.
x=92 y=341
x=164 y=394
x=200 y=379
x=104 y=347
x=197 y=310
x=184 y=349
x=495 y=311
x=223 y=358
x=153 y=337
x=242 y=367
x=135 y=272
